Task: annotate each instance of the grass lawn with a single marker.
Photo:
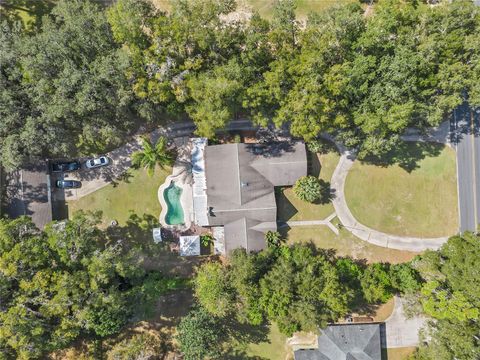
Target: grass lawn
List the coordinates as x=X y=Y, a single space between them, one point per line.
x=416 y=196
x=289 y=207
x=397 y=353
x=304 y=7
x=346 y=244
x=265 y=7
x=273 y=347
x=137 y=194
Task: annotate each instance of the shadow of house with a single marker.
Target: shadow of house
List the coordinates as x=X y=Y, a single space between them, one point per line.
x=28 y=192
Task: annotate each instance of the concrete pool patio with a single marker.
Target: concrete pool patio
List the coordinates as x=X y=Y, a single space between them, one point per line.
x=181 y=177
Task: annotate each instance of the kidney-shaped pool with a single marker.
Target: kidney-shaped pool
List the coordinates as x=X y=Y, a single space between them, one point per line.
x=174 y=214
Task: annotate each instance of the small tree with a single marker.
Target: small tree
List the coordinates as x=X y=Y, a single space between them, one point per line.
x=212 y=289
x=273 y=238
x=376 y=283
x=152 y=155
x=199 y=335
x=308 y=188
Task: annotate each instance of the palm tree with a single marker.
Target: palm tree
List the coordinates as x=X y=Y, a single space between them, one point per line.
x=152 y=155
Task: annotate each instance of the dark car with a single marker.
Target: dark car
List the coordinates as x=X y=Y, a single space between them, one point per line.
x=65 y=166
x=68 y=184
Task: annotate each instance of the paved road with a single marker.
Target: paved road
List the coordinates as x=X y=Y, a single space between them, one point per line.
x=476 y=144
x=466 y=138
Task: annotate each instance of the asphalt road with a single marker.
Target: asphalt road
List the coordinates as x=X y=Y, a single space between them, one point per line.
x=466 y=138
x=476 y=144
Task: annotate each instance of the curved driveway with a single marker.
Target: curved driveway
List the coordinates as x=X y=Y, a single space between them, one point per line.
x=364 y=232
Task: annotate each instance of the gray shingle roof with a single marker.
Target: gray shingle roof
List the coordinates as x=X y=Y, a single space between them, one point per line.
x=345 y=342
x=29 y=194
x=240 y=187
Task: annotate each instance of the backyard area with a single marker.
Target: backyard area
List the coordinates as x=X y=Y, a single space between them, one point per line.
x=290 y=207
x=135 y=193
x=411 y=192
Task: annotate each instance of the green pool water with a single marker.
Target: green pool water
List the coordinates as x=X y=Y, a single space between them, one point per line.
x=175 y=211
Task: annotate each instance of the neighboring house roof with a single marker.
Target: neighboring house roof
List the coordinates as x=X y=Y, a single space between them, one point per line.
x=345 y=342
x=28 y=194
x=240 y=188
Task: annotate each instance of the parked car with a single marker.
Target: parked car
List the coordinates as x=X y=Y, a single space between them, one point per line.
x=65 y=166
x=68 y=184
x=97 y=162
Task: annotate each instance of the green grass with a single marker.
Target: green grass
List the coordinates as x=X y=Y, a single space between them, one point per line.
x=137 y=194
x=292 y=208
x=345 y=244
x=272 y=346
x=415 y=197
x=265 y=7
x=397 y=353
x=304 y=7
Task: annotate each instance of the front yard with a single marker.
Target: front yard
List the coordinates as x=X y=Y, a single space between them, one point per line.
x=417 y=196
x=345 y=244
x=289 y=207
x=137 y=194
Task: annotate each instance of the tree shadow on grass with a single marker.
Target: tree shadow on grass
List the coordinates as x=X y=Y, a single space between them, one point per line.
x=327 y=194
x=407 y=155
x=242 y=334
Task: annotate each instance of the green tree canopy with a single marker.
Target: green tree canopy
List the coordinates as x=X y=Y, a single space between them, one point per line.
x=69 y=91
x=152 y=155
x=70 y=280
x=451 y=296
x=199 y=335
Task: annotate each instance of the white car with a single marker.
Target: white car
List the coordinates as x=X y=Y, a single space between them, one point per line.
x=97 y=162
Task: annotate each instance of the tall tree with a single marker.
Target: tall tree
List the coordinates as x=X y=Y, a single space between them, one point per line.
x=70 y=84
x=70 y=280
x=152 y=156
x=451 y=296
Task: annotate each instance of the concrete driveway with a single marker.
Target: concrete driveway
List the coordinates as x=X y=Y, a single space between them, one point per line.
x=95 y=179
x=400 y=331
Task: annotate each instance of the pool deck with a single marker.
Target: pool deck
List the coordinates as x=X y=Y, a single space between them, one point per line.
x=182 y=177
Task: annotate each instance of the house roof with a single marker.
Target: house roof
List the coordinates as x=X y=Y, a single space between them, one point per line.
x=29 y=194
x=240 y=187
x=345 y=342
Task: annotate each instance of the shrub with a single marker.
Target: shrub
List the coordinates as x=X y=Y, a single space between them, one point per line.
x=273 y=238
x=308 y=188
x=206 y=239
x=317 y=146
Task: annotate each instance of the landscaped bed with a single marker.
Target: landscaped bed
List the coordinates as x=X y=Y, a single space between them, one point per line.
x=412 y=192
x=137 y=193
x=289 y=207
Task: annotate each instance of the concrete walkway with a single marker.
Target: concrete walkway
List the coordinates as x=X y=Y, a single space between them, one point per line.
x=401 y=331
x=326 y=222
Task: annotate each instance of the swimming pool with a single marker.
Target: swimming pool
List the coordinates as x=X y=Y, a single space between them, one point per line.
x=174 y=214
